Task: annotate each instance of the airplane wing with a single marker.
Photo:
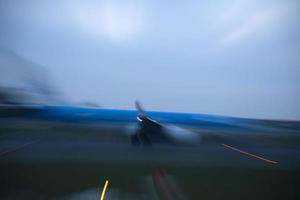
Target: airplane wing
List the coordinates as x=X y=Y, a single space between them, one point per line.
x=150 y=131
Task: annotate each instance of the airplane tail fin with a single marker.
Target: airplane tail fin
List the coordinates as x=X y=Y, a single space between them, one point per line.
x=148 y=130
x=140 y=110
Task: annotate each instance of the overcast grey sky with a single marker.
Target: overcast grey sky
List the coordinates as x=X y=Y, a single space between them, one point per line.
x=238 y=58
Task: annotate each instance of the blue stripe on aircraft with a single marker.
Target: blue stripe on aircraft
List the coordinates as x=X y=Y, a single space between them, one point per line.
x=81 y=114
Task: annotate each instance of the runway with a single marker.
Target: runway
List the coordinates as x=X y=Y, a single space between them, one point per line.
x=62 y=165
x=90 y=146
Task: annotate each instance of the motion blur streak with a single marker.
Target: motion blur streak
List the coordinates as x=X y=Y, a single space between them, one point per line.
x=250 y=154
x=104 y=190
x=16 y=148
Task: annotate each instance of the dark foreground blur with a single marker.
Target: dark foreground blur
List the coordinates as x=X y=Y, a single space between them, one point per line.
x=47 y=160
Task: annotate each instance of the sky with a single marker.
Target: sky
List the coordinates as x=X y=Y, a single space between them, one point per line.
x=238 y=58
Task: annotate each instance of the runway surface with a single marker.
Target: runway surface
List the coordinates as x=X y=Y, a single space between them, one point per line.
x=74 y=164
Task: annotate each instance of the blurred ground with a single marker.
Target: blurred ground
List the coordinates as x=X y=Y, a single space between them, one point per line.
x=41 y=160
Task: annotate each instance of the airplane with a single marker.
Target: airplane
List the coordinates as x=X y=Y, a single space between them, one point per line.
x=147 y=128
x=144 y=128
x=34 y=136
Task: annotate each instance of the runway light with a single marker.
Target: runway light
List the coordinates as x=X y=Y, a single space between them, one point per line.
x=104 y=190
